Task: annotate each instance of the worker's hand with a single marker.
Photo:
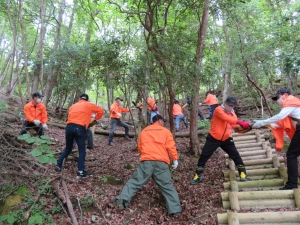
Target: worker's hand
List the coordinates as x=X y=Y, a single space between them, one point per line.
x=175 y=164
x=257 y=124
x=119 y=114
x=243 y=124
x=45 y=126
x=37 y=122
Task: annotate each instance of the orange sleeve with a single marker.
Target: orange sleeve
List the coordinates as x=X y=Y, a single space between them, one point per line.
x=207 y=99
x=170 y=145
x=219 y=112
x=44 y=114
x=27 y=113
x=98 y=110
x=124 y=109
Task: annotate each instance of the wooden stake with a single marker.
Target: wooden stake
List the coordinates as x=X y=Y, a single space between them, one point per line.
x=233 y=218
x=234 y=201
x=276 y=162
x=283 y=173
x=297 y=196
x=231 y=175
x=234 y=186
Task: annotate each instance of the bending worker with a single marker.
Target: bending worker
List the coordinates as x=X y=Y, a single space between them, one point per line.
x=155 y=145
x=287 y=120
x=219 y=136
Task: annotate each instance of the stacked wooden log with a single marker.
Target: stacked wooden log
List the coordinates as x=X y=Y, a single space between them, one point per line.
x=266 y=173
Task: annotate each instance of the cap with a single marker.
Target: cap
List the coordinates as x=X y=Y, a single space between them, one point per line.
x=231 y=100
x=158 y=117
x=280 y=92
x=118 y=98
x=36 y=94
x=84 y=96
x=176 y=101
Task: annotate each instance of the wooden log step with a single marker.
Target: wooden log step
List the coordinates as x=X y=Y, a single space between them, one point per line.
x=246 y=138
x=257 y=152
x=260 y=218
x=250 y=149
x=259 y=161
x=247 y=158
x=269 y=203
x=260 y=177
x=257 y=144
x=256 y=183
x=245 y=134
x=248 y=142
x=264 y=166
x=257 y=195
x=270 y=171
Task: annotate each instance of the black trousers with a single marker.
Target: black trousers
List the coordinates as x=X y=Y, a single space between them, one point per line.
x=212 y=144
x=291 y=158
x=27 y=125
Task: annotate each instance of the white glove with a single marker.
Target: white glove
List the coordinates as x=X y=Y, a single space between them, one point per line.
x=257 y=124
x=119 y=114
x=37 y=122
x=200 y=103
x=45 y=126
x=175 y=164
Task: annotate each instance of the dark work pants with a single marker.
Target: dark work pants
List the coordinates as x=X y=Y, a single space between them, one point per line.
x=212 y=109
x=77 y=132
x=212 y=144
x=114 y=122
x=28 y=125
x=200 y=114
x=291 y=158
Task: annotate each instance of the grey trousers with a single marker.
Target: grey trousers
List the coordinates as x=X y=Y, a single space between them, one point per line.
x=160 y=172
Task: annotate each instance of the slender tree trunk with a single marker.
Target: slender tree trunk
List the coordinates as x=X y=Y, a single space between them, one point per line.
x=194 y=142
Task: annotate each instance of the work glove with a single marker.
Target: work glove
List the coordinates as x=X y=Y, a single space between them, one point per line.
x=119 y=114
x=257 y=124
x=45 y=126
x=37 y=122
x=200 y=103
x=243 y=124
x=175 y=164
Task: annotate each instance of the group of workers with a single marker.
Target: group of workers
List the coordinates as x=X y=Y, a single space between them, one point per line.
x=156 y=144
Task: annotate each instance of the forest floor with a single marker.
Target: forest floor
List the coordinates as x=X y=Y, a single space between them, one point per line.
x=109 y=166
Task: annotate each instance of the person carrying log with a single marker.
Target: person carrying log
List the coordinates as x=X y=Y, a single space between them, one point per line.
x=178 y=115
x=79 y=118
x=35 y=115
x=222 y=123
x=116 y=111
x=287 y=120
x=155 y=145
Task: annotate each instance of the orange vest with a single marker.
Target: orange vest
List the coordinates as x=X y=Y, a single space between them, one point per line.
x=37 y=112
x=177 y=110
x=151 y=104
x=156 y=143
x=211 y=99
x=222 y=124
x=286 y=124
x=81 y=112
x=116 y=108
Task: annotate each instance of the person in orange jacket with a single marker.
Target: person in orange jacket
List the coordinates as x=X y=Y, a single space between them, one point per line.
x=178 y=115
x=116 y=111
x=289 y=120
x=212 y=101
x=223 y=120
x=156 y=145
x=79 y=118
x=152 y=108
x=35 y=115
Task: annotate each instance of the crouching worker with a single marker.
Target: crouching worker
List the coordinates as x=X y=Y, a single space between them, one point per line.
x=223 y=120
x=35 y=115
x=155 y=144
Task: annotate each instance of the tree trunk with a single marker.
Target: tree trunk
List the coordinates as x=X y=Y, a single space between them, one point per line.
x=38 y=70
x=194 y=141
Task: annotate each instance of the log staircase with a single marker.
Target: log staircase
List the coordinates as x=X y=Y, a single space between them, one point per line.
x=266 y=173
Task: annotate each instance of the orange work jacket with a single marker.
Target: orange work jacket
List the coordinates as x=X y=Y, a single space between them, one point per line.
x=151 y=104
x=156 y=143
x=222 y=124
x=286 y=124
x=177 y=110
x=81 y=112
x=211 y=99
x=35 y=112
x=115 y=108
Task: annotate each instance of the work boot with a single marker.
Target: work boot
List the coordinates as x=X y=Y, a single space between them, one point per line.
x=242 y=172
x=186 y=125
x=119 y=203
x=198 y=176
x=288 y=187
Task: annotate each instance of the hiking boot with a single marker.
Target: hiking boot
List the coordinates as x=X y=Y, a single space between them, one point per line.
x=57 y=169
x=111 y=143
x=84 y=174
x=242 y=173
x=177 y=131
x=198 y=176
x=186 y=125
x=288 y=187
x=127 y=137
x=119 y=203
x=90 y=147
